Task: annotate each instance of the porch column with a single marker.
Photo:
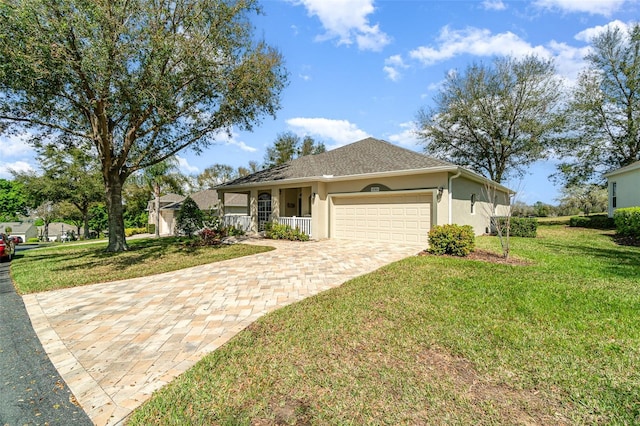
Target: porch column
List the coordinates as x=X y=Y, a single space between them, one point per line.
x=275 y=204
x=253 y=210
x=220 y=206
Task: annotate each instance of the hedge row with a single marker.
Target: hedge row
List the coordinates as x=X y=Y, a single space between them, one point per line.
x=526 y=227
x=599 y=221
x=627 y=221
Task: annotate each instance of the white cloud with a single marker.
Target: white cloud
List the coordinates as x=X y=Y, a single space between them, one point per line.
x=348 y=22
x=15 y=146
x=407 y=136
x=494 y=5
x=231 y=139
x=392 y=66
x=243 y=146
x=588 y=34
x=593 y=7
x=17 y=166
x=477 y=42
x=569 y=60
x=185 y=167
x=304 y=77
x=341 y=132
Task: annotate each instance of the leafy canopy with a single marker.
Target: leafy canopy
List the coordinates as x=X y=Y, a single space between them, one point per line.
x=605 y=109
x=139 y=80
x=496 y=119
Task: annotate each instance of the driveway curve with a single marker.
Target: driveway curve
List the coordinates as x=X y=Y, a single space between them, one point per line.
x=115 y=343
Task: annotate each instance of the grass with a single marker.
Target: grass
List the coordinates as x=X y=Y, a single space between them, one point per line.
x=437 y=340
x=71 y=265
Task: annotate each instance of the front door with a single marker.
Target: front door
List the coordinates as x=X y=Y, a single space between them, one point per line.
x=264 y=209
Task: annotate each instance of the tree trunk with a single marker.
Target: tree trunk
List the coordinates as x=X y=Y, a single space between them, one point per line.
x=156 y=194
x=85 y=221
x=113 y=188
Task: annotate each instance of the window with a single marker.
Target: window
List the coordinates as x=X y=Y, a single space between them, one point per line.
x=473 y=203
x=264 y=209
x=614 y=195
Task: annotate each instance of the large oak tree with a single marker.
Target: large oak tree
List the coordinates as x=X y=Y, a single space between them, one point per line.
x=139 y=79
x=605 y=109
x=494 y=118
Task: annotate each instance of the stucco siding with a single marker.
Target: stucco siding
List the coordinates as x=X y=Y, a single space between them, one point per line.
x=471 y=204
x=627 y=190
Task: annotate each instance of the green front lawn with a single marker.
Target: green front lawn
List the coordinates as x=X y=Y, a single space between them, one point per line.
x=433 y=340
x=71 y=265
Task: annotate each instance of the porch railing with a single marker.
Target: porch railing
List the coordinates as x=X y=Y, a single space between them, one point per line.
x=244 y=222
x=238 y=221
x=302 y=223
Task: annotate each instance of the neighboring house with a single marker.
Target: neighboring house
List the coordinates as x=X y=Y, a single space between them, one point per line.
x=167 y=212
x=207 y=200
x=624 y=185
x=58 y=231
x=25 y=230
x=369 y=190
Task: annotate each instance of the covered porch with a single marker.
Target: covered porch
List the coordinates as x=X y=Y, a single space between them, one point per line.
x=286 y=206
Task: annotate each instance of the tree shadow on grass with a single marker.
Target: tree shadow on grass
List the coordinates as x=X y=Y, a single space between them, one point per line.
x=140 y=252
x=619 y=261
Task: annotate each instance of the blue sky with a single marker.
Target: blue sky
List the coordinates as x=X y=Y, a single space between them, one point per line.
x=363 y=68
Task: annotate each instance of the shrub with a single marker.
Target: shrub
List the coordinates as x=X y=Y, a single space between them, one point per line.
x=151 y=228
x=599 y=221
x=276 y=231
x=133 y=231
x=33 y=240
x=627 y=221
x=519 y=226
x=189 y=218
x=210 y=236
x=456 y=240
x=235 y=231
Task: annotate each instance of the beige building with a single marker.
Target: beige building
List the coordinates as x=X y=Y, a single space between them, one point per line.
x=624 y=187
x=370 y=190
x=207 y=200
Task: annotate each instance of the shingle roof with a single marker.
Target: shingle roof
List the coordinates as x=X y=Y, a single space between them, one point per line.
x=208 y=199
x=171 y=198
x=363 y=157
x=630 y=167
x=16 y=227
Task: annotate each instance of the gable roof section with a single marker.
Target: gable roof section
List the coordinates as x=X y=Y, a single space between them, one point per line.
x=16 y=227
x=367 y=156
x=208 y=199
x=629 y=168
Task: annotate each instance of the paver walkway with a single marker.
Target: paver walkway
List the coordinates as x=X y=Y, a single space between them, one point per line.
x=115 y=343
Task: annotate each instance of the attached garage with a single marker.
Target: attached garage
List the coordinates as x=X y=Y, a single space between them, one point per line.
x=395 y=218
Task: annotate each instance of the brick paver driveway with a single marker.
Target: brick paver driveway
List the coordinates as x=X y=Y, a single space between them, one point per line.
x=116 y=343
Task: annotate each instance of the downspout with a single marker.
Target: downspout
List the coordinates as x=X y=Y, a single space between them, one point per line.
x=450 y=189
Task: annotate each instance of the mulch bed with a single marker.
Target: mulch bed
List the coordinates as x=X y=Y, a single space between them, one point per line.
x=487 y=256
x=626 y=240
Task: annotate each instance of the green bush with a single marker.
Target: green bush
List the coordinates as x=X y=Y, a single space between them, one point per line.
x=456 y=240
x=235 y=231
x=33 y=240
x=627 y=221
x=598 y=221
x=276 y=231
x=133 y=231
x=526 y=227
x=151 y=228
x=189 y=218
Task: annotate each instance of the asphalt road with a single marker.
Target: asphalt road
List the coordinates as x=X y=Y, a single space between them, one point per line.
x=31 y=390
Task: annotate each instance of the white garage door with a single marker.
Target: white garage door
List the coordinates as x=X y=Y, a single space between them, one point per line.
x=384 y=217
